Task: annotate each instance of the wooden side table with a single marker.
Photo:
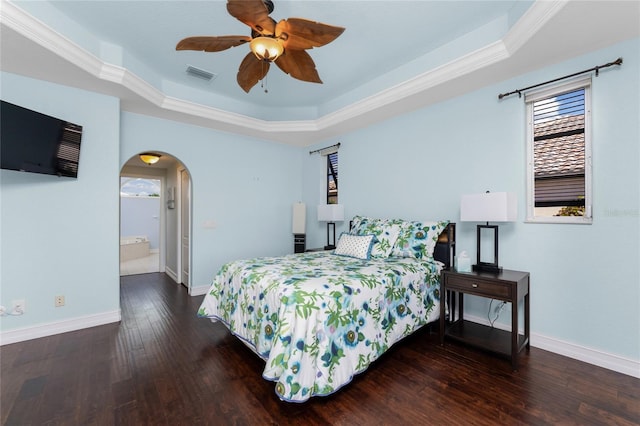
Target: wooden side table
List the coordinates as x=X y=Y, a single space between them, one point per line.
x=508 y=286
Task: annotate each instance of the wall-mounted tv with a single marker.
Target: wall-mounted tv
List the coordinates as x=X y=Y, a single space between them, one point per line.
x=34 y=142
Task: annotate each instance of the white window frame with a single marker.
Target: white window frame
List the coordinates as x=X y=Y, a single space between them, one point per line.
x=328 y=176
x=532 y=97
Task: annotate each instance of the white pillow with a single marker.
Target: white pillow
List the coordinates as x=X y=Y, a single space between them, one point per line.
x=358 y=246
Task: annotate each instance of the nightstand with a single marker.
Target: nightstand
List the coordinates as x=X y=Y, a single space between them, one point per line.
x=299 y=243
x=508 y=286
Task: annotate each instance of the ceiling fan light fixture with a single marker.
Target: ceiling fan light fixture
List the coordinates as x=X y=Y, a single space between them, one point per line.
x=284 y=42
x=266 y=48
x=150 y=158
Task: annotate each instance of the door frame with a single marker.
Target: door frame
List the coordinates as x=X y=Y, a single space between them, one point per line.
x=162 y=223
x=179 y=206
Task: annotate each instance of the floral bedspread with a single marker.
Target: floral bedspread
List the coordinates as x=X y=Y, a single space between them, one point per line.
x=317 y=319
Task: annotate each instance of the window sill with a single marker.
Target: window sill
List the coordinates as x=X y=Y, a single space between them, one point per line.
x=561 y=220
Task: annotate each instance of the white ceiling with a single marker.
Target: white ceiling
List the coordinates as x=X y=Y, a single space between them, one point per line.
x=379 y=36
x=394 y=56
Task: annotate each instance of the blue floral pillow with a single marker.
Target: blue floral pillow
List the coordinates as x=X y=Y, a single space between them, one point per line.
x=358 y=246
x=418 y=239
x=386 y=232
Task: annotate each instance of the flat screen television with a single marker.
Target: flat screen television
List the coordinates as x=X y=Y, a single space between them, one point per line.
x=34 y=142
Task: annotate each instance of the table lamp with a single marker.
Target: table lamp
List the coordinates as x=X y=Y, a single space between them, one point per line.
x=488 y=207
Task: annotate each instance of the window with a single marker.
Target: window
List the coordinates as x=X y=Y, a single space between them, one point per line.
x=332 y=178
x=139 y=187
x=559 y=154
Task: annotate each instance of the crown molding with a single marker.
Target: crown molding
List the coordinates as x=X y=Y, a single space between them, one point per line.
x=467 y=64
x=235 y=119
x=531 y=22
x=23 y=23
x=359 y=113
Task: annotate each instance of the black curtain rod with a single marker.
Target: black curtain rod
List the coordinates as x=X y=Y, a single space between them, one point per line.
x=596 y=69
x=326 y=147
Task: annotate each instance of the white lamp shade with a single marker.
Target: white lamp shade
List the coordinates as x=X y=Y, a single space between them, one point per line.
x=489 y=207
x=330 y=213
x=299 y=218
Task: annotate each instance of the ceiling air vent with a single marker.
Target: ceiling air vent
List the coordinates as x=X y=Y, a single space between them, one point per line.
x=200 y=73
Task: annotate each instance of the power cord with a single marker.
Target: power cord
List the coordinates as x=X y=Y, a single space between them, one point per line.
x=499 y=310
x=17 y=311
x=14 y=312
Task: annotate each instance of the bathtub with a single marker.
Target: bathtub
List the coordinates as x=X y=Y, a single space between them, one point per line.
x=133 y=248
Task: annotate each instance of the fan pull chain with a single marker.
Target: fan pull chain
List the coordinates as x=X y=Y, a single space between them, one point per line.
x=264 y=84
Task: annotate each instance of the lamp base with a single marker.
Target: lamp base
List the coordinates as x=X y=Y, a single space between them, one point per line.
x=490 y=267
x=331 y=244
x=494 y=269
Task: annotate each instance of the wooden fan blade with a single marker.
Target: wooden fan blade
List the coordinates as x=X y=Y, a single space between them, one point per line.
x=251 y=71
x=299 y=34
x=254 y=13
x=210 y=43
x=298 y=64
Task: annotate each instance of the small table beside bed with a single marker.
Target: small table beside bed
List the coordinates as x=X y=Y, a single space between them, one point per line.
x=319 y=318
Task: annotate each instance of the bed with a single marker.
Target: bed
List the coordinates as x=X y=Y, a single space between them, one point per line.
x=319 y=318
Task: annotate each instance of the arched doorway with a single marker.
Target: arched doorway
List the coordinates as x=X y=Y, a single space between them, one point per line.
x=173 y=215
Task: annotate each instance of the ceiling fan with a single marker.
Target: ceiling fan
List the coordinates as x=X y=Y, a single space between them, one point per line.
x=284 y=42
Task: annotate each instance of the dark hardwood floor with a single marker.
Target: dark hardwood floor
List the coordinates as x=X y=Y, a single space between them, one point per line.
x=164 y=366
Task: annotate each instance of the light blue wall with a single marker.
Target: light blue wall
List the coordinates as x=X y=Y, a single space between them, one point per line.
x=245 y=186
x=585 y=286
x=59 y=235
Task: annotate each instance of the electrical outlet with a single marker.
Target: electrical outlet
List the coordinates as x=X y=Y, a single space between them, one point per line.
x=18 y=307
x=59 y=301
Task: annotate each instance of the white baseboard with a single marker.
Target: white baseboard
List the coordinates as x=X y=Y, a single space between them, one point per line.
x=199 y=290
x=602 y=359
x=49 y=329
x=193 y=291
x=172 y=274
x=592 y=356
